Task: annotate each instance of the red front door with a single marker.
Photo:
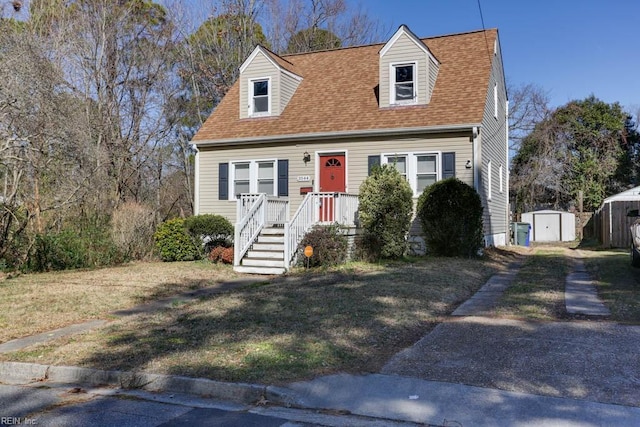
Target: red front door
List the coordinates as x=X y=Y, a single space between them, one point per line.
x=332 y=180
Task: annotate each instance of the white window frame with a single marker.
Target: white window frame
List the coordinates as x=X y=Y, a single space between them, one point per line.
x=392 y=83
x=495 y=100
x=252 y=112
x=412 y=165
x=489 y=180
x=253 y=176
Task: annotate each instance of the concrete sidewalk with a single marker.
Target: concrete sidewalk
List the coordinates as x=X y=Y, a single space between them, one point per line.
x=439 y=403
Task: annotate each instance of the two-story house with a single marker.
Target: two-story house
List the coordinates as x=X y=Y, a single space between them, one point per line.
x=295 y=136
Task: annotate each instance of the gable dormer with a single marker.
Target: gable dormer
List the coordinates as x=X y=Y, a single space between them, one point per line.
x=408 y=70
x=267 y=83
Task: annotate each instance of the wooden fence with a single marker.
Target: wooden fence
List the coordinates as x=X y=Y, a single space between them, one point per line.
x=611 y=223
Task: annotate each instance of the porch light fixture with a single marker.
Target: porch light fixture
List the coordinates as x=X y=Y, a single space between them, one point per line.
x=468 y=165
x=306 y=157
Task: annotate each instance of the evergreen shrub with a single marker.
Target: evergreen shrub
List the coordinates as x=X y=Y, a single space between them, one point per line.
x=328 y=243
x=450 y=213
x=212 y=230
x=174 y=243
x=385 y=209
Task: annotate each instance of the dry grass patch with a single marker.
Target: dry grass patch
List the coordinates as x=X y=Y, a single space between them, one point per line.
x=537 y=293
x=36 y=303
x=618 y=283
x=348 y=319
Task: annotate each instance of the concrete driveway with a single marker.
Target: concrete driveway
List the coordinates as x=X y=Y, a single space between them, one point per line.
x=591 y=360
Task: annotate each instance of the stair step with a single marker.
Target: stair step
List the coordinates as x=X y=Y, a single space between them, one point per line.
x=272 y=230
x=268 y=247
x=262 y=262
x=259 y=270
x=270 y=239
x=266 y=254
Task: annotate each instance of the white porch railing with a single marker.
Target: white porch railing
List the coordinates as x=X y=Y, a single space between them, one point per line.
x=249 y=225
x=255 y=211
x=318 y=208
x=277 y=208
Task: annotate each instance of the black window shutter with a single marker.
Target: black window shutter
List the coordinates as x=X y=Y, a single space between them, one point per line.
x=223 y=181
x=448 y=165
x=373 y=161
x=283 y=178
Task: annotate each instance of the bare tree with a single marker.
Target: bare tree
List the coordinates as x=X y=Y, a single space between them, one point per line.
x=528 y=106
x=300 y=20
x=43 y=160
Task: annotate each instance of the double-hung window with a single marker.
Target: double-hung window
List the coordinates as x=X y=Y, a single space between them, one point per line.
x=255 y=176
x=266 y=174
x=241 y=178
x=400 y=163
x=426 y=171
x=419 y=169
x=403 y=83
x=259 y=94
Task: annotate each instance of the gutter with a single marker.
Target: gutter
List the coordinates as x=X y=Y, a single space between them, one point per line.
x=307 y=137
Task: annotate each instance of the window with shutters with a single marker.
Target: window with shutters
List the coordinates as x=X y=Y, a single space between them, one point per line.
x=254 y=176
x=419 y=169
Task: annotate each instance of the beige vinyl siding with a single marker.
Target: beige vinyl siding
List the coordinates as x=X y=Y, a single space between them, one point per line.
x=288 y=86
x=494 y=148
x=404 y=50
x=260 y=67
x=357 y=155
x=434 y=67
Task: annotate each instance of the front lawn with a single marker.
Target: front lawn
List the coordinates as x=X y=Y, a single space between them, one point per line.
x=348 y=319
x=35 y=303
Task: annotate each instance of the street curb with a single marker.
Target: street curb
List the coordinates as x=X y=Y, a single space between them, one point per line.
x=18 y=373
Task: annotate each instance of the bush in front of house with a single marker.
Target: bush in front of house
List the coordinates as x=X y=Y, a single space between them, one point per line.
x=212 y=230
x=450 y=213
x=329 y=246
x=174 y=243
x=84 y=244
x=385 y=209
x=221 y=254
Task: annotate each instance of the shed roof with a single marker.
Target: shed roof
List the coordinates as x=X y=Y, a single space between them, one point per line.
x=630 y=194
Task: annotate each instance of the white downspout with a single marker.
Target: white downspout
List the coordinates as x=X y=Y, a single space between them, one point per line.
x=476 y=160
x=196 y=182
x=508 y=171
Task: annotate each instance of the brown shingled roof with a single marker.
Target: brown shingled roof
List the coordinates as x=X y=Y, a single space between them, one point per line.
x=338 y=93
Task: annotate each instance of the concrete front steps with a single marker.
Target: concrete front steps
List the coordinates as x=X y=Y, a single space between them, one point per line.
x=266 y=256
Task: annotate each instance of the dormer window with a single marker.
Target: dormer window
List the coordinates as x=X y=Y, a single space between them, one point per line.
x=403 y=88
x=260 y=93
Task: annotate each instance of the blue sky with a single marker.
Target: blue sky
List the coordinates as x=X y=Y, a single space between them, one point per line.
x=571 y=48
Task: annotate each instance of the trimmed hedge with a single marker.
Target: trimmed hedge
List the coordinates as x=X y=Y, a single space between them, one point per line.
x=213 y=230
x=450 y=213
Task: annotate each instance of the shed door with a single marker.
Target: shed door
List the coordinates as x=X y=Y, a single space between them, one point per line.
x=546 y=227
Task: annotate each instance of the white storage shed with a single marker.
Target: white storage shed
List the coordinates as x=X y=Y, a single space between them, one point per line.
x=551 y=226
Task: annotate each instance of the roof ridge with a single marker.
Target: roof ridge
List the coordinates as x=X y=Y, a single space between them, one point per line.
x=383 y=43
x=276 y=55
